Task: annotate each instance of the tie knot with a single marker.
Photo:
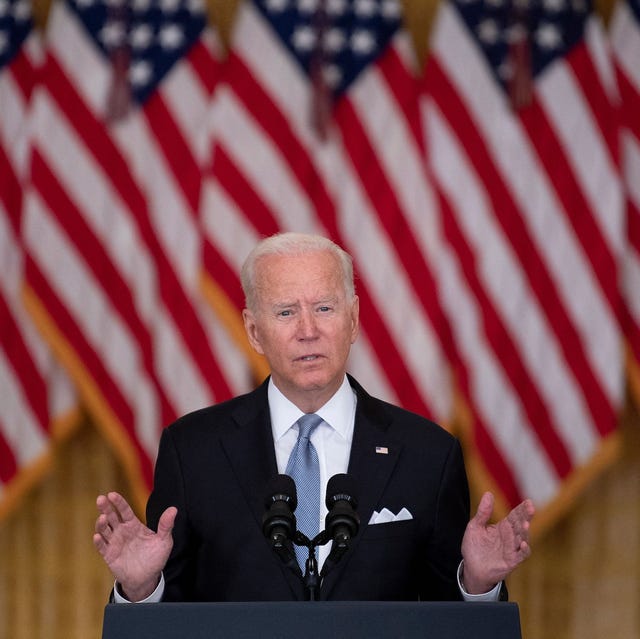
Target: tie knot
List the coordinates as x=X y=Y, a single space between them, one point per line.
x=307 y=423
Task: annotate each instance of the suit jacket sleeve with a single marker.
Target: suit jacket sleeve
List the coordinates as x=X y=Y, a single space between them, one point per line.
x=443 y=545
x=168 y=490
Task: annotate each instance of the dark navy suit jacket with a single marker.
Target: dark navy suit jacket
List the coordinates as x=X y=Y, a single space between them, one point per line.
x=215 y=465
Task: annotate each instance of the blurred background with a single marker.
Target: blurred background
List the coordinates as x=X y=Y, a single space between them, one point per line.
x=480 y=161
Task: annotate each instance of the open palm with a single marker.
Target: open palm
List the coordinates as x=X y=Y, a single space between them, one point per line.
x=134 y=553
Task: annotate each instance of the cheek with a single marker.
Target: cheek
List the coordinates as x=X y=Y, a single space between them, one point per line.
x=344 y=338
x=274 y=342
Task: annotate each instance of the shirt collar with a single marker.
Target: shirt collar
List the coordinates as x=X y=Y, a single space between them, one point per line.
x=337 y=412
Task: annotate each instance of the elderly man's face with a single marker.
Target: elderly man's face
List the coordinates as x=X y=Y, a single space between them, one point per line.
x=303 y=324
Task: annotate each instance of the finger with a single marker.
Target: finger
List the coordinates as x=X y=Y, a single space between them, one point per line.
x=99 y=543
x=108 y=509
x=102 y=524
x=485 y=509
x=166 y=521
x=103 y=504
x=520 y=517
x=121 y=506
x=524 y=551
x=103 y=529
x=530 y=509
x=524 y=511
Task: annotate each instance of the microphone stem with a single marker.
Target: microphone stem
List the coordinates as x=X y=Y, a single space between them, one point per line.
x=311 y=579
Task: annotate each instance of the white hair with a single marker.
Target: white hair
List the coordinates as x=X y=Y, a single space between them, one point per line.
x=293 y=244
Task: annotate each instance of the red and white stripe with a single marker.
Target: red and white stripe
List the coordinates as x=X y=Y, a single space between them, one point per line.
x=118 y=273
x=625 y=40
x=271 y=172
x=531 y=221
x=36 y=395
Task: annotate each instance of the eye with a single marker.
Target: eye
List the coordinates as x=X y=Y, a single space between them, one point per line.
x=285 y=313
x=324 y=309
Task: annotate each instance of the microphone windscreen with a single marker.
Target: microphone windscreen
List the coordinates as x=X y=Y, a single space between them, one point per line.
x=341 y=487
x=281 y=488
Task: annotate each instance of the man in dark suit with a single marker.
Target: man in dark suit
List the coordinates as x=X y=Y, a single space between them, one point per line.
x=205 y=540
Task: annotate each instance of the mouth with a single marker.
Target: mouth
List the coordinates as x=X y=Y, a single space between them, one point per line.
x=308 y=358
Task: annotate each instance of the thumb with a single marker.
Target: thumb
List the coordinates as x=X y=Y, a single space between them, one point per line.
x=485 y=509
x=166 y=521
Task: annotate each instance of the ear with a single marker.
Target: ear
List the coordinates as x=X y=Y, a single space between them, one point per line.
x=251 y=328
x=355 y=318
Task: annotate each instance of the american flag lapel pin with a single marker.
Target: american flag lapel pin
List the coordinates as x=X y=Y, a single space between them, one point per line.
x=382 y=450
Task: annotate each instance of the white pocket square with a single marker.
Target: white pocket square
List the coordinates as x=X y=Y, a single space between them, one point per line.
x=385 y=516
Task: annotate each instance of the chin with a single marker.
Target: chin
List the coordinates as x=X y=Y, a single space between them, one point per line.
x=313 y=381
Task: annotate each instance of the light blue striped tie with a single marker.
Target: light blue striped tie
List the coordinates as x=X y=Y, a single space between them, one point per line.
x=304 y=468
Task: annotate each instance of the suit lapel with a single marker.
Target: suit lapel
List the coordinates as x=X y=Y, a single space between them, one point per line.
x=248 y=445
x=374 y=454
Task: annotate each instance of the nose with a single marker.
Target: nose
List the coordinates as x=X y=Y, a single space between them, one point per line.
x=307 y=326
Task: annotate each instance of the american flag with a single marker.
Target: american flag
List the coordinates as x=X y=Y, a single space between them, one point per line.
x=625 y=39
x=111 y=225
x=522 y=146
x=37 y=402
x=317 y=129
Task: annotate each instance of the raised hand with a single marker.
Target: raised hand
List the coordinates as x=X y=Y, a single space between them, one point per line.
x=135 y=554
x=492 y=551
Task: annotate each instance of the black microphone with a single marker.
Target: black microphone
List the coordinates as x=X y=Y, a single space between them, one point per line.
x=342 y=521
x=279 y=522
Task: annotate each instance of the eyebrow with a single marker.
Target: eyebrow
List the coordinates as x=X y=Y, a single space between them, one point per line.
x=324 y=300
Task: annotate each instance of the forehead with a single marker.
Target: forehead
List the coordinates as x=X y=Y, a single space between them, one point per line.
x=317 y=273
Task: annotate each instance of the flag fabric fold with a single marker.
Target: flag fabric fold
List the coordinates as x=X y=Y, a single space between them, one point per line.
x=522 y=147
x=491 y=206
x=111 y=223
x=37 y=399
x=625 y=41
x=316 y=129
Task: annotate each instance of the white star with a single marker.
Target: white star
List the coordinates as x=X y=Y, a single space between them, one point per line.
x=303 y=38
x=362 y=42
x=196 y=6
x=515 y=33
x=21 y=11
x=276 y=6
x=488 y=31
x=140 y=73
x=505 y=71
x=390 y=10
x=336 y=7
x=365 y=8
x=169 y=6
x=334 y=40
x=548 y=36
x=112 y=33
x=141 y=5
x=554 y=6
x=307 y=7
x=4 y=8
x=171 y=36
x=141 y=36
x=332 y=75
x=84 y=4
